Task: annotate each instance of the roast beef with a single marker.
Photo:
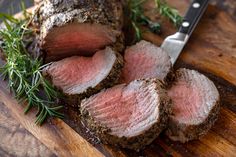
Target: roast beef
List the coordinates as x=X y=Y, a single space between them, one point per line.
x=145 y=60
x=130 y=116
x=195 y=105
x=79 y=77
x=75 y=27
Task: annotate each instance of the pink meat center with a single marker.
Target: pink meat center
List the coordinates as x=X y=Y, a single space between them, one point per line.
x=140 y=59
x=75 y=74
x=145 y=60
x=81 y=39
x=187 y=102
x=128 y=111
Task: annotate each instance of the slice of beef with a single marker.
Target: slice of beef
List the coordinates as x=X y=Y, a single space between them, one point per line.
x=71 y=27
x=79 y=77
x=145 y=60
x=130 y=116
x=195 y=105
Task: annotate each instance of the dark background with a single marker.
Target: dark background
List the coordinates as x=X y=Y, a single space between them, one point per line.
x=13 y=6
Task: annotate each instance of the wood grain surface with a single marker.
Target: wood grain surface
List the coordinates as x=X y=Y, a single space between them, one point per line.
x=15 y=138
x=55 y=134
x=211 y=49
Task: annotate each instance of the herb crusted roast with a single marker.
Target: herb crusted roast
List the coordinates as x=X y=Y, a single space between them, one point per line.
x=79 y=77
x=145 y=60
x=79 y=27
x=129 y=116
x=195 y=105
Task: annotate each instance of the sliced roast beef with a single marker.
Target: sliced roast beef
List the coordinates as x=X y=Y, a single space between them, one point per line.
x=79 y=77
x=72 y=27
x=129 y=116
x=145 y=60
x=195 y=105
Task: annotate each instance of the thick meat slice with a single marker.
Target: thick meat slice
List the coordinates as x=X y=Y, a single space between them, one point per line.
x=145 y=60
x=195 y=105
x=71 y=27
x=79 y=77
x=129 y=116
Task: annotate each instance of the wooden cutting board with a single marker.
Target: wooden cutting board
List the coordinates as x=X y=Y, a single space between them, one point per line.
x=211 y=50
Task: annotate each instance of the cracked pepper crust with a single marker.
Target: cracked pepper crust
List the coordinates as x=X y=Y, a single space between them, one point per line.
x=185 y=132
x=110 y=80
x=139 y=141
x=58 y=13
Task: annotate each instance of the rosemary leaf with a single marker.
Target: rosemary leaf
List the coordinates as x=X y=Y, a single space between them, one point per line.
x=138 y=19
x=138 y=33
x=24 y=73
x=171 y=13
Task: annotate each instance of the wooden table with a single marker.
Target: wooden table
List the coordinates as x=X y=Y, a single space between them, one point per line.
x=14 y=139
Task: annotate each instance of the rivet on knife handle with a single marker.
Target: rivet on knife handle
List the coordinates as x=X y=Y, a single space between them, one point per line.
x=193 y=16
x=174 y=44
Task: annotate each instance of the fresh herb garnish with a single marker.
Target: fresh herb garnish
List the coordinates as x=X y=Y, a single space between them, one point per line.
x=171 y=13
x=23 y=72
x=138 y=19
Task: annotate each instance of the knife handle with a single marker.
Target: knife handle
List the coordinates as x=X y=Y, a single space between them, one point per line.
x=193 y=16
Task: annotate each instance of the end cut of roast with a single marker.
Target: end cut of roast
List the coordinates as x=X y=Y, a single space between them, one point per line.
x=79 y=77
x=71 y=27
x=195 y=105
x=145 y=60
x=130 y=116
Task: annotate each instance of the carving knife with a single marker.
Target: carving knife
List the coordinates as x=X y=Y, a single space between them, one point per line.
x=175 y=43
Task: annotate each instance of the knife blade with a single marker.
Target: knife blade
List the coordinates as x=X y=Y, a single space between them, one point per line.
x=175 y=43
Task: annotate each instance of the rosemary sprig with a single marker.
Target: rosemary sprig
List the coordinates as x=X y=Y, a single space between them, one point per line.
x=24 y=73
x=138 y=18
x=171 y=13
